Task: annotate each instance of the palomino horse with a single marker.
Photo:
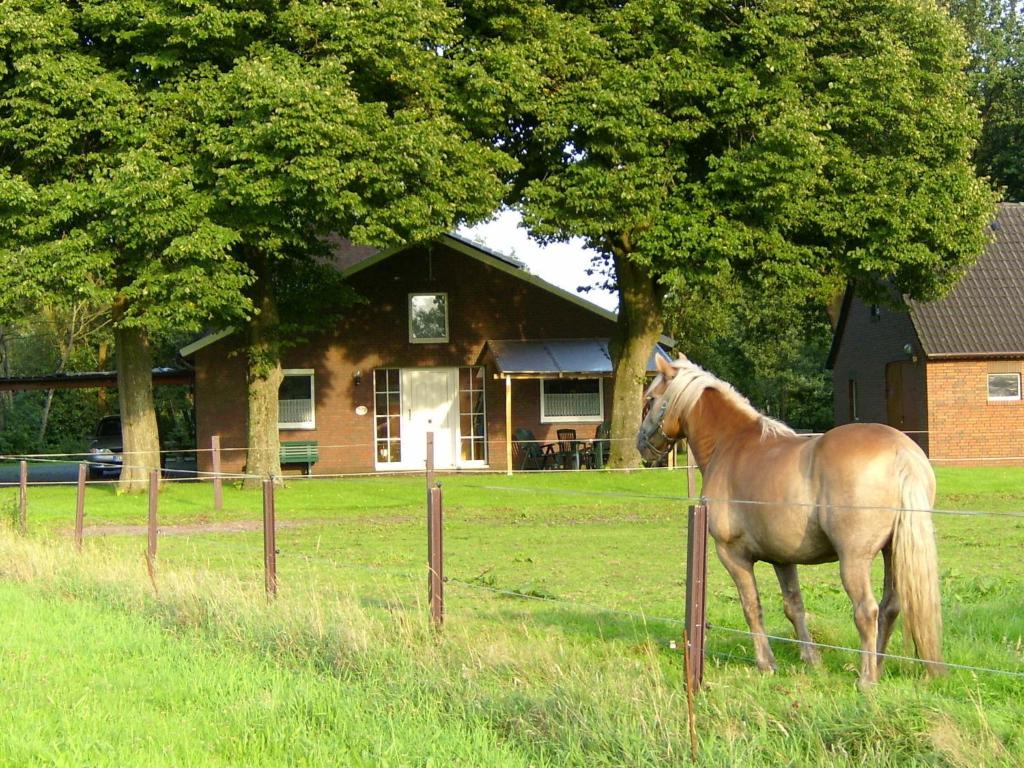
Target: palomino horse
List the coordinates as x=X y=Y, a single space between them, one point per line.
x=789 y=499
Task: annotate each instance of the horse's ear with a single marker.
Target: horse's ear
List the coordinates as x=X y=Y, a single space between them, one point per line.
x=665 y=368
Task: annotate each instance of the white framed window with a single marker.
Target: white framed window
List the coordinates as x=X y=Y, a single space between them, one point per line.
x=387 y=415
x=1004 y=386
x=571 y=400
x=472 y=415
x=295 y=400
x=428 y=318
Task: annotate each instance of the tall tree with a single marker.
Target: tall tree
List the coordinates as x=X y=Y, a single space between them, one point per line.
x=780 y=140
x=233 y=138
x=995 y=31
x=305 y=119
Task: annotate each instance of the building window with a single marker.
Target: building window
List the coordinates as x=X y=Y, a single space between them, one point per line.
x=472 y=415
x=571 y=400
x=851 y=400
x=387 y=414
x=428 y=318
x=295 y=400
x=1004 y=386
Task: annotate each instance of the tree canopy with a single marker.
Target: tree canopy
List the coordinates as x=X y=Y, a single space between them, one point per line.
x=779 y=141
x=186 y=162
x=995 y=31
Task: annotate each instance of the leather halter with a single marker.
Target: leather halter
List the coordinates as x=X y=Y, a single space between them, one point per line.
x=667 y=443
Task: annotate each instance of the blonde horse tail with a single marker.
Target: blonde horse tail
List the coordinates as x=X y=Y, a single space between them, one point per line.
x=915 y=560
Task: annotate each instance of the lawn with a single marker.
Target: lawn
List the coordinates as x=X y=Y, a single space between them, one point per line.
x=564 y=598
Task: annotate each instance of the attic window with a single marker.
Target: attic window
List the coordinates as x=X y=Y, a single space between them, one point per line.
x=428 y=318
x=1004 y=386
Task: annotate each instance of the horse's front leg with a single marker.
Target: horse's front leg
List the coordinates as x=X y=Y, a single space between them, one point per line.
x=793 y=604
x=741 y=568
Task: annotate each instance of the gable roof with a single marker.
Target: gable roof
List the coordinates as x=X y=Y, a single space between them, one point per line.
x=351 y=259
x=984 y=314
x=507 y=264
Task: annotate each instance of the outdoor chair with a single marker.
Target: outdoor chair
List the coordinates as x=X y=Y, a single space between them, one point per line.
x=569 y=454
x=528 y=453
x=599 y=449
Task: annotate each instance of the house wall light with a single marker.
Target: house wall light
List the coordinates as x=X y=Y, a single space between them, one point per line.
x=357 y=376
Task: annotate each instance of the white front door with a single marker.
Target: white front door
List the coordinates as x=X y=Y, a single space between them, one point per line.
x=429 y=402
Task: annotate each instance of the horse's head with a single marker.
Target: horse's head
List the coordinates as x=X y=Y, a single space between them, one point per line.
x=659 y=430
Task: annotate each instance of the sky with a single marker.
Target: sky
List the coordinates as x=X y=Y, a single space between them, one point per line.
x=563 y=264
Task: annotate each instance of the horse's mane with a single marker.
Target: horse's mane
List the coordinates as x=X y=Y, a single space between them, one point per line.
x=689 y=384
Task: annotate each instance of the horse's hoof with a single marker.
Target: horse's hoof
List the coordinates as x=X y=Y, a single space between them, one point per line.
x=768 y=667
x=865 y=685
x=811 y=659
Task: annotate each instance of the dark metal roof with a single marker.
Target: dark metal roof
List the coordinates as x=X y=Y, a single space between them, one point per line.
x=551 y=358
x=984 y=314
x=96 y=379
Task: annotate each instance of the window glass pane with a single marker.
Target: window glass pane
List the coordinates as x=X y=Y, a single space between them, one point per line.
x=428 y=316
x=1004 y=386
x=296 y=387
x=571 y=398
x=571 y=386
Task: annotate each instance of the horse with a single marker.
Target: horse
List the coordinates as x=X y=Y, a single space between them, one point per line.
x=792 y=499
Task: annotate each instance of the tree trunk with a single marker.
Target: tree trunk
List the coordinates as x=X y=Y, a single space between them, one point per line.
x=638 y=329
x=102 y=359
x=44 y=421
x=139 y=434
x=264 y=381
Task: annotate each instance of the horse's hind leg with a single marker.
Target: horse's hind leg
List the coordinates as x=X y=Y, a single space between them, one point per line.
x=856 y=576
x=888 y=609
x=741 y=569
x=793 y=604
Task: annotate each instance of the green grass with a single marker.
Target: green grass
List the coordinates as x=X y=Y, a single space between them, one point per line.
x=582 y=676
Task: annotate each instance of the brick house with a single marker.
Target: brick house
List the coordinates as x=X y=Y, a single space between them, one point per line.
x=454 y=338
x=947 y=372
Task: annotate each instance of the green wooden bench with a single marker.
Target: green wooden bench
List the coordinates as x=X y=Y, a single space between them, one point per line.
x=300 y=452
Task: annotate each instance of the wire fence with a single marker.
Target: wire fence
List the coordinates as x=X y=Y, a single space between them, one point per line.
x=413 y=574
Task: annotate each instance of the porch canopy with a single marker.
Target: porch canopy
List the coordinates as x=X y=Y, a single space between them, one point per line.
x=551 y=359
x=556 y=358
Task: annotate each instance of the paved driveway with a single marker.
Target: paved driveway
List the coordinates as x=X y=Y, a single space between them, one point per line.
x=46 y=472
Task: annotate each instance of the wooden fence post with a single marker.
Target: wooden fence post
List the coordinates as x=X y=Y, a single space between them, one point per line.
x=218 y=487
x=430 y=461
x=23 y=496
x=269 y=539
x=80 y=507
x=435 y=555
x=696 y=589
x=154 y=492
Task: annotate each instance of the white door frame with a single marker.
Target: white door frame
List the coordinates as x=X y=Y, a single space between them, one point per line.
x=430 y=402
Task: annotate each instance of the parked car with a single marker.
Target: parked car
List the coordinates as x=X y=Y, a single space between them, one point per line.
x=177 y=444
x=105 y=448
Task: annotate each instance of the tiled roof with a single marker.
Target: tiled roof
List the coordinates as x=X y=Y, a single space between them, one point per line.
x=984 y=313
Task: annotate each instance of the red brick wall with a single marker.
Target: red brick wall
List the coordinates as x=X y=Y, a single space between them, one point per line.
x=483 y=303
x=964 y=426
